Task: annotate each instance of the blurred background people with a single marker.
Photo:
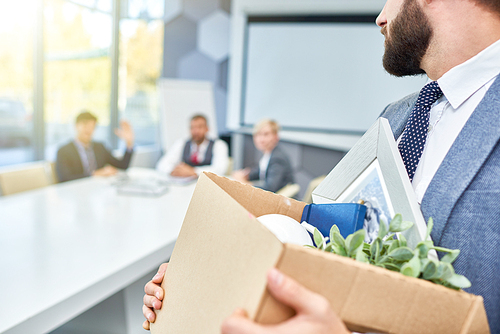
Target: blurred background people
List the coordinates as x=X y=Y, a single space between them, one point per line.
x=274 y=170
x=196 y=155
x=83 y=157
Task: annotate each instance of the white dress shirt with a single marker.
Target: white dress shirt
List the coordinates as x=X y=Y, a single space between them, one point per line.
x=219 y=164
x=464 y=86
x=87 y=157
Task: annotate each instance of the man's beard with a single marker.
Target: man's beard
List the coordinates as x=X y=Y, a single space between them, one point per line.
x=408 y=40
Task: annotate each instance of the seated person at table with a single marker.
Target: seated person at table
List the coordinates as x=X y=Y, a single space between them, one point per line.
x=189 y=158
x=274 y=170
x=83 y=157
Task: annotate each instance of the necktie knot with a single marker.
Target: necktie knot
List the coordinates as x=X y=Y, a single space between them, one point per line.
x=429 y=94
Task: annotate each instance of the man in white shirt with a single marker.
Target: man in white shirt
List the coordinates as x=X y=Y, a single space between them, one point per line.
x=189 y=158
x=463 y=86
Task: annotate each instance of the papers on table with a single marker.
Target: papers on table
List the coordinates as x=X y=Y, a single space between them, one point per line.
x=150 y=186
x=147 y=182
x=179 y=180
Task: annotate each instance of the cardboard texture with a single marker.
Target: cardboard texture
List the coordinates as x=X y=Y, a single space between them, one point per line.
x=220 y=249
x=223 y=253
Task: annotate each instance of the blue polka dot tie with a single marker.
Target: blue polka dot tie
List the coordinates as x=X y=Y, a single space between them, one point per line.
x=412 y=143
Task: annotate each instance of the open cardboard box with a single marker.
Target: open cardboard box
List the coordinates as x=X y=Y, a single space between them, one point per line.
x=223 y=253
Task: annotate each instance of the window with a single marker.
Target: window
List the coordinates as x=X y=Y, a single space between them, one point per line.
x=77 y=71
x=16 y=82
x=146 y=9
x=141 y=52
x=73 y=53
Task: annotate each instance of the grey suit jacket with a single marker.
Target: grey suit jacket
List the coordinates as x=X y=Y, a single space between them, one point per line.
x=279 y=172
x=463 y=198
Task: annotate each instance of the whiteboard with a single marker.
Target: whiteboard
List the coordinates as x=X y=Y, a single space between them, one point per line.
x=179 y=101
x=320 y=76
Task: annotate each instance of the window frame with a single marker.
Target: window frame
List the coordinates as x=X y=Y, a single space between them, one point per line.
x=38 y=69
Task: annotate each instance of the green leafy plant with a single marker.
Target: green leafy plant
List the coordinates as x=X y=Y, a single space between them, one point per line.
x=390 y=251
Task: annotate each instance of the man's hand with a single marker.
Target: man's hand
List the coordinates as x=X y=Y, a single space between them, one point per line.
x=126 y=133
x=314 y=314
x=107 y=170
x=241 y=175
x=153 y=297
x=183 y=170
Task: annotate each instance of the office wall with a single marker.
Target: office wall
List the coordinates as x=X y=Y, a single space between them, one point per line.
x=196 y=47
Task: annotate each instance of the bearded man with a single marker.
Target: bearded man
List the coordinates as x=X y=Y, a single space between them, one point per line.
x=455 y=173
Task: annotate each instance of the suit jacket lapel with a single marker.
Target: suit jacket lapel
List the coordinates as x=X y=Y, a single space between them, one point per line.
x=398 y=113
x=76 y=157
x=464 y=159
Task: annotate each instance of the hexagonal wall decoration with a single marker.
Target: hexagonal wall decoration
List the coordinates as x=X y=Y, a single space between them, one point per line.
x=213 y=35
x=195 y=66
x=197 y=9
x=173 y=8
x=225 y=5
x=179 y=40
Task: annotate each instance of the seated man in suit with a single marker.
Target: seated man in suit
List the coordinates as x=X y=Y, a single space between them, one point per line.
x=198 y=154
x=274 y=170
x=83 y=157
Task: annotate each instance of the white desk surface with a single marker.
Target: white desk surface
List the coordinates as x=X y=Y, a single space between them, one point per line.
x=66 y=247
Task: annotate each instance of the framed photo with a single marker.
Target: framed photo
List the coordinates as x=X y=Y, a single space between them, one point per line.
x=370 y=189
x=373 y=171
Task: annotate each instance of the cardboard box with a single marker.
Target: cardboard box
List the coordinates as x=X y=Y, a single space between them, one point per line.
x=223 y=253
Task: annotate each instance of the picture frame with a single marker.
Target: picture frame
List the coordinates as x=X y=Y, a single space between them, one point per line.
x=375 y=162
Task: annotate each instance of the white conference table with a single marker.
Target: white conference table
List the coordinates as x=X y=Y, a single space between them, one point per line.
x=66 y=247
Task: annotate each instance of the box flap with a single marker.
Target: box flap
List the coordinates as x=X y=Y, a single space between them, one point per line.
x=372 y=299
x=477 y=321
x=219 y=262
x=257 y=201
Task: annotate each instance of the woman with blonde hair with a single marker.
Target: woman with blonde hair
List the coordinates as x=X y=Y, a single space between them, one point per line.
x=274 y=170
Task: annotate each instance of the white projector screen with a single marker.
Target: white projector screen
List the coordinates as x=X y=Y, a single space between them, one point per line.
x=319 y=76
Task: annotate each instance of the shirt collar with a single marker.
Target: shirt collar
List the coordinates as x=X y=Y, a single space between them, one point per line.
x=80 y=145
x=202 y=146
x=462 y=81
